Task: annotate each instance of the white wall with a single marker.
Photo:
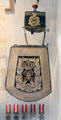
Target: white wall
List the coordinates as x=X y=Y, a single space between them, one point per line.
x=59 y=54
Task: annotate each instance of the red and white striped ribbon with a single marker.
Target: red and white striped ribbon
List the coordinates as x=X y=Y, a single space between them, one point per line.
x=8 y=108
x=15 y=108
x=32 y=108
x=41 y=108
x=24 y=108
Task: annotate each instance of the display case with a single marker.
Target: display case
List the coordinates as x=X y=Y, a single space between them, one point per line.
x=15 y=36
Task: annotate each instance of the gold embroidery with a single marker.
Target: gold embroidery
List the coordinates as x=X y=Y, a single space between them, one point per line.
x=34 y=20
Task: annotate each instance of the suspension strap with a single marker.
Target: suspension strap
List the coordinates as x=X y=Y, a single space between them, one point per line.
x=25 y=37
x=44 y=38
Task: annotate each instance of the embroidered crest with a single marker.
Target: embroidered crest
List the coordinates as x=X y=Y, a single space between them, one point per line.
x=34 y=20
x=28 y=74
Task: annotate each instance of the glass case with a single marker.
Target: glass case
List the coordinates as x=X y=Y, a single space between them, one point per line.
x=15 y=34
